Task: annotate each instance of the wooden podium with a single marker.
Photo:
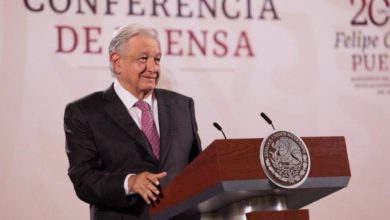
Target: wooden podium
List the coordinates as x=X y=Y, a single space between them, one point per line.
x=226 y=181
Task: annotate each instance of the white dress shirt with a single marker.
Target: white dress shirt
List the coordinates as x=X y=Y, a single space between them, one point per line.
x=129 y=101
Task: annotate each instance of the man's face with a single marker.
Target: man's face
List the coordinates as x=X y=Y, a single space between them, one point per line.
x=137 y=67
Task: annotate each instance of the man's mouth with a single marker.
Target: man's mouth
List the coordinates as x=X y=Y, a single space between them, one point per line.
x=148 y=76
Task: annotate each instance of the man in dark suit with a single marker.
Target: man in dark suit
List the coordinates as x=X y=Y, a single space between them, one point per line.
x=126 y=142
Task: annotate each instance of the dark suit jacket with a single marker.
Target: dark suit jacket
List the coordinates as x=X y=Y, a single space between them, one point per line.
x=104 y=144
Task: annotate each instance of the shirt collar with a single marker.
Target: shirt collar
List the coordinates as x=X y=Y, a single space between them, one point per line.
x=127 y=98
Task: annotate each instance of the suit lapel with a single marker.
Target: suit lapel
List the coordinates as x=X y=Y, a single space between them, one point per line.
x=164 y=117
x=120 y=115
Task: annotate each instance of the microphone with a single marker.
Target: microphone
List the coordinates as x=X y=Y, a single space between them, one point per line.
x=216 y=125
x=264 y=116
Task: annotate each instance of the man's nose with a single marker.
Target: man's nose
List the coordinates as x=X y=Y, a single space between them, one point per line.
x=151 y=65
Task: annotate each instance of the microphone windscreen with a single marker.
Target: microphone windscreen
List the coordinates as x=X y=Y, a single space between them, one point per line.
x=216 y=125
x=266 y=118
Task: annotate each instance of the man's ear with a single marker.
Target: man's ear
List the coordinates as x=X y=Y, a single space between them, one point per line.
x=115 y=63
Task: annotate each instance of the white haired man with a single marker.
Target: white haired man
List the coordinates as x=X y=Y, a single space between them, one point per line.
x=126 y=142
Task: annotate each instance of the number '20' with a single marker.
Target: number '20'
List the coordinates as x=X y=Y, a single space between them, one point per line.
x=373 y=16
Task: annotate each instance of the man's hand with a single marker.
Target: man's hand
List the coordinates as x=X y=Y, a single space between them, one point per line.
x=145 y=184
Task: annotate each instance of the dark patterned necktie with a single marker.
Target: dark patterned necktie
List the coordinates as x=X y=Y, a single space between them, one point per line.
x=148 y=127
